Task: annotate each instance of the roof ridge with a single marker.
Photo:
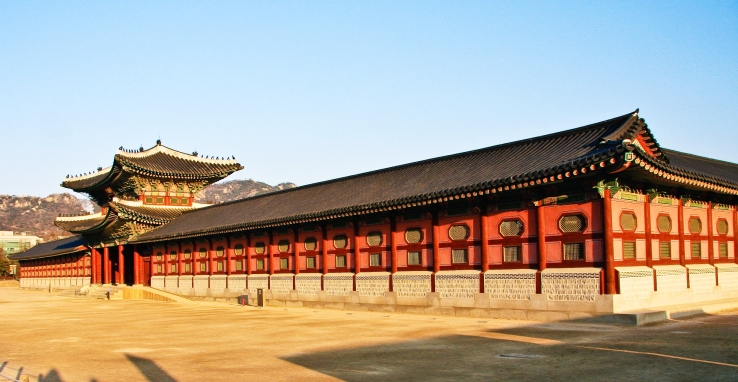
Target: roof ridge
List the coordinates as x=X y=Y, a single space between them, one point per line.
x=429 y=160
x=159 y=148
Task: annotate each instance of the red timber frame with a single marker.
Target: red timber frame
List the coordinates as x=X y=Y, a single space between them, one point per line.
x=363 y=251
x=280 y=236
x=258 y=239
x=330 y=252
x=303 y=233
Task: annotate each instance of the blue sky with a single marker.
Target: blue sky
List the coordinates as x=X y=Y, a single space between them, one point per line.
x=309 y=91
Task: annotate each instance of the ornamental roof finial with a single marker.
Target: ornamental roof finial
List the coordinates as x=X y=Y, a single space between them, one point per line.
x=158 y=142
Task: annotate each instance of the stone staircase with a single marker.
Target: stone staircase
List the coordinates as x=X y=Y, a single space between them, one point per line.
x=100 y=292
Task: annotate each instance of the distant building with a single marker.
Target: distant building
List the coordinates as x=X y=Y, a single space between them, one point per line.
x=14 y=242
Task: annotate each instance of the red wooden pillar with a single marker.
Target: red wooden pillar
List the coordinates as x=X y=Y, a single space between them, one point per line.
x=296 y=253
x=393 y=250
x=211 y=255
x=436 y=250
x=248 y=257
x=107 y=268
x=647 y=225
x=484 y=234
x=357 y=253
x=195 y=256
x=152 y=264
x=121 y=266
x=229 y=255
x=179 y=259
x=324 y=253
x=167 y=251
x=270 y=254
x=541 y=233
x=735 y=233
x=610 y=285
x=93 y=276
x=680 y=219
x=136 y=265
x=710 y=251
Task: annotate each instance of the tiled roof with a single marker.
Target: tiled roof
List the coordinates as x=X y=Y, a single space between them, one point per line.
x=158 y=161
x=85 y=224
x=53 y=248
x=718 y=171
x=155 y=215
x=508 y=164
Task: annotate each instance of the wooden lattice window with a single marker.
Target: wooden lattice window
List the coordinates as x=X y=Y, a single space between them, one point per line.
x=220 y=266
x=238 y=250
x=159 y=269
x=696 y=252
x=572 y=223
x=340 y=241
x=219 y=252
x=283 y=246
x=173 y=268
x=458 y=232
x=159 y=256
x=413 y=235
x=310 y=262
x=239 y=265
x=723 y=250
x=459 y=256
x=695 y=225
x=722 y=227
x=374 y=239
x=173 y=255
x=665 y=249
x=629 y=250
x=413 y=258
x=511 y=228
x=188 y=267
x=260 y=264
x=310 y=244
x=628 y=221
x=203 y=253
x=160 y=200
x=574 y=251
x=663 y=222
x=512 y=254
x=284 y=263
x=341 y=261
x=187 y=254
x=203 y=267
x=375 y=260
x=259 y=247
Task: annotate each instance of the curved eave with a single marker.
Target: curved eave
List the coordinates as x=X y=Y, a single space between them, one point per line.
x=603 y=161
x=685 y=178
x=109 y=219
x=100 y=181
x=130 y=213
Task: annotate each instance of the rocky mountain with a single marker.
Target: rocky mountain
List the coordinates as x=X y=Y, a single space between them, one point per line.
x=36 y=215
x=237 y=189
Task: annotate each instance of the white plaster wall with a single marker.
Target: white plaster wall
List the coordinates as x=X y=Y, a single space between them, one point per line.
x=514 y=284
x=307 y=283
x=237 y=283
x=171 y=283
x=701 y=278
x=727 y=276
x=157 y=282
x=338 y=284
x=258 y=282
x=200 y=284
x=281 y=283
x=457 y=284
x=411 y=284
x=218 y=283
x=636 y=283
x=671 y=280
x=372 y=283
x=571 y=284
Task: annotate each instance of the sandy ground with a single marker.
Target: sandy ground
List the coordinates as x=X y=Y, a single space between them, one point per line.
x=56 y=338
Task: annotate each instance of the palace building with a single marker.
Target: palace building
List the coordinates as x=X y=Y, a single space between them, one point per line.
x=595 y=220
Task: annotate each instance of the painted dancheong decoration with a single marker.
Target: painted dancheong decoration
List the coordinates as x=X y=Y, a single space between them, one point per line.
x=592 y=220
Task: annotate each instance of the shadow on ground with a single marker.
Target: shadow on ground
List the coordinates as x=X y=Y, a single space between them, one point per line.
x=556 y=351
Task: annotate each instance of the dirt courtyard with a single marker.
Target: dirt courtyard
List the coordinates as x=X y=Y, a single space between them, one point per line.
x=56 y=338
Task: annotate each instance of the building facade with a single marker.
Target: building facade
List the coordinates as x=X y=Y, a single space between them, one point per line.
x=588 y=221
x=14 y=242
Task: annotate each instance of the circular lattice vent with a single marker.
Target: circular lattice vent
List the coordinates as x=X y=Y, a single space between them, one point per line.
x=628 y=221
x=458 y=232
x=722 y=227
x=340 y=241
x=695 y=225
x=310 y=244
x=511 y=228
x=173 y=256
x=259 y=248
x=413 y=235
x=374 y=239
x=283 y=246
x=187 y=254
x=572 y=223
x=203 y=253
x=663 y=222
x=219 y=252
x=238 y=250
